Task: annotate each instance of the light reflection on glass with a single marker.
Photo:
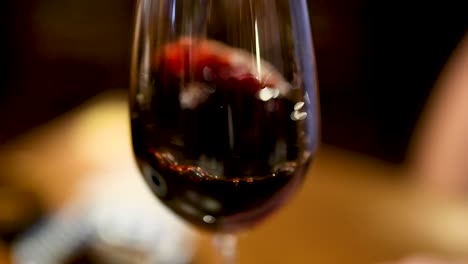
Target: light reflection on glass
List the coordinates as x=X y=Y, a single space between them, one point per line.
x=209 y=219
x=257 y=50
x=173 y=12
x=298 y=116
x=267 y=94
x=298 y=106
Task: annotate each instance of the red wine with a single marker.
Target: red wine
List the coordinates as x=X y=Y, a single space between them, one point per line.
x=218 y=141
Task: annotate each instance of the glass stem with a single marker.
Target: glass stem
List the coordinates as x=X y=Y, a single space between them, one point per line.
x=226 y=248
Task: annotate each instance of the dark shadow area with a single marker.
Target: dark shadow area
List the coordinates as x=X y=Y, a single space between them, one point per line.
x=58 y=54
x=377 y=63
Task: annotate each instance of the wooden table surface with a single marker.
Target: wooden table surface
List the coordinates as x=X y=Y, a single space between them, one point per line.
x=352 y=208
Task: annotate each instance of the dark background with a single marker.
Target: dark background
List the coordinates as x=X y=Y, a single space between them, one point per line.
x=377 y=63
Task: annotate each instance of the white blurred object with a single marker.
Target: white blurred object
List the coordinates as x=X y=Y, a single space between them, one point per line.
x=116 y=215
x=426 y=260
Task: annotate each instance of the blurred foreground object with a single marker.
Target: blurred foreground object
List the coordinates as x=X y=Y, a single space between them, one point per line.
x=440 y=151
x=116 y=219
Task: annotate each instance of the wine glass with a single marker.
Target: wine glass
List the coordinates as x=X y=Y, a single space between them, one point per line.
x=224 y=110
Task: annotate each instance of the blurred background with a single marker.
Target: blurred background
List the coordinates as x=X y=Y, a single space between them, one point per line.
x=64 y=72
x=372 y=58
